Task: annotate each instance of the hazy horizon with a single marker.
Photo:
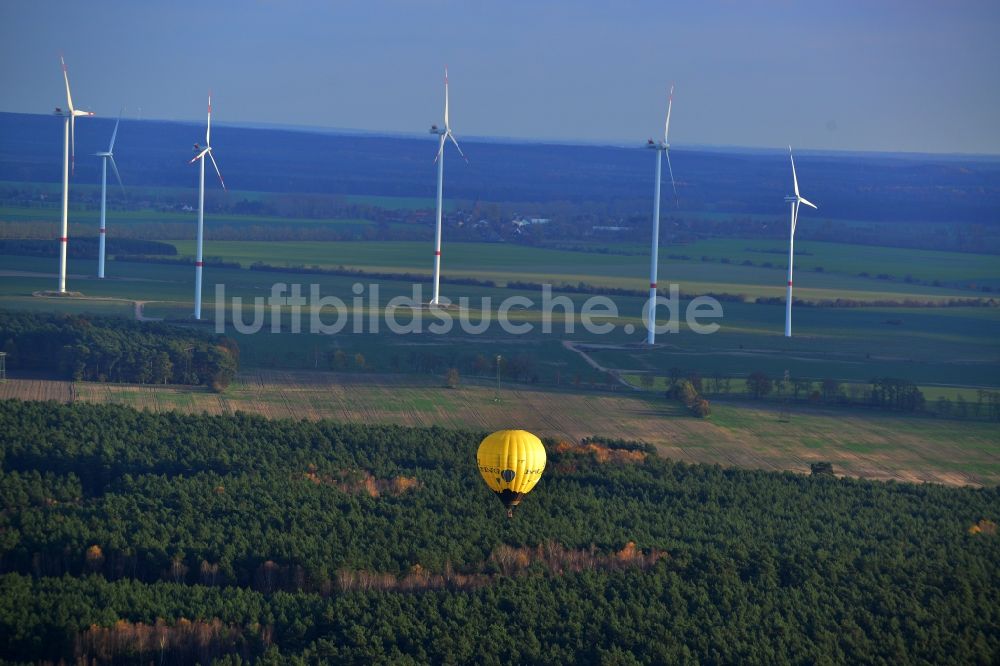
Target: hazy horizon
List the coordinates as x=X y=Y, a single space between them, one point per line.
x=516 y=140
x=911 y=77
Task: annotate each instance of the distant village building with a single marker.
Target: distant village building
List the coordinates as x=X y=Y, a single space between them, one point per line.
x=519 y=222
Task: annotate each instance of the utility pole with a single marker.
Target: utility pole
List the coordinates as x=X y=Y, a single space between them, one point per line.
x=786 y=379
x=496 y=397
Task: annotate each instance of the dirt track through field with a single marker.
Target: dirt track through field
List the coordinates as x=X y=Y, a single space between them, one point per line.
x=864 y=444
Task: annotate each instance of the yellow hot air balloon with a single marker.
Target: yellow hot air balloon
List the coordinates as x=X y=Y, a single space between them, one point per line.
x=511 y=462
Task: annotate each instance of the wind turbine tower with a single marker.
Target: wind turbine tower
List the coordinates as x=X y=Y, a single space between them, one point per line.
x=69 y=160
x=444 y=134
x=105 y=156
x=202 y=152
x=662 y=148
x=793 y=201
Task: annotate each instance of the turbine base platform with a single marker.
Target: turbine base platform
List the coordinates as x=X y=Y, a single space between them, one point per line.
x=440 y=306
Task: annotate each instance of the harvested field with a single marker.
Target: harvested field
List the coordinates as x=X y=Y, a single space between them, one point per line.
x=37 y=389
x=865 y=444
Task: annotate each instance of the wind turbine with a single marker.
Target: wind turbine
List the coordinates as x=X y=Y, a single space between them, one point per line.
x=201 y=153
x=69 y=161
x=445 y=134
x=662 y=148
x=105 y=156
x=794 y=202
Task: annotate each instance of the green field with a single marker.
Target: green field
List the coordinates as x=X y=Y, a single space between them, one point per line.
x=755 y=435
x=926 y=265
x=737 y=388
x=955 y=346
x=949 y=268
x=84 y=222
x=505 y=262
x=83 y=217
x=83 y=191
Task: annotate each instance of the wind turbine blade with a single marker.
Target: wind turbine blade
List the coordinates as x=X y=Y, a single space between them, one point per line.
x=808 y=203
x=114 y=167
x=446 y=125
x=666 y=126
x=111 y=146
x=69 y=97
x=208 y=127
x=672 y=183
x=795 y=179
x=217 y=169
x=72 y=116
x=440 y=149
x=198 y=156
x=452 y=137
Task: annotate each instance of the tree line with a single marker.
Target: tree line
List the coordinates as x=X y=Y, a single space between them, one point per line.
x=110 y=349
x=520 y=367
x=84 y=247
x=883 y=393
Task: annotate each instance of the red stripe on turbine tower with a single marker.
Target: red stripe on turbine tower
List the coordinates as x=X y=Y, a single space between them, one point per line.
x=63 y=239
x=199 y=263
x=103 y=231
x=789 y=283
x=437 y=253
x=652 y=285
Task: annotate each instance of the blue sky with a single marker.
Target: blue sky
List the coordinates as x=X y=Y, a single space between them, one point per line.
x=878 y=75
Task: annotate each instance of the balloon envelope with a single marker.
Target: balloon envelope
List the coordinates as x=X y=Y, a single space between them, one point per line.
x=511 y=462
